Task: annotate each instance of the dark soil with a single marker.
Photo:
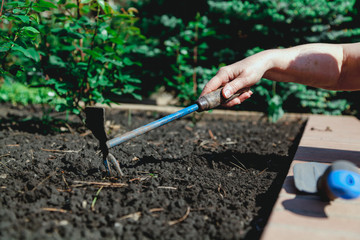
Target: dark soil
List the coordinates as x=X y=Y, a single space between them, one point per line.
x=216 y=179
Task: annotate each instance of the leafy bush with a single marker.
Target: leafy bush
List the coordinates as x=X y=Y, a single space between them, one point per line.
x=188 y=47
x=80 y=50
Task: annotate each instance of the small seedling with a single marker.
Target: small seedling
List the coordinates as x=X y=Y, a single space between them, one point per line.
x=153 y=175
x=95 y=198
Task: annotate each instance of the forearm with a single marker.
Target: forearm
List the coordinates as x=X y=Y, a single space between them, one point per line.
x=328 y=66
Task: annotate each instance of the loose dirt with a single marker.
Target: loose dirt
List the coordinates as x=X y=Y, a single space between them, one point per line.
x=216 y=179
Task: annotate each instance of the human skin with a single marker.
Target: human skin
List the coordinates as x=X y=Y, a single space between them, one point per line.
x=327 y=66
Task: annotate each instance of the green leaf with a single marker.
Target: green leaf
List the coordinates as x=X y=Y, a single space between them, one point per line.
x=108 y=60
x=127 y=61
x=70 y=5
x=30 y=52
x=59 y=31
x=76 y=111
x=92 y=53
x=30 y=30
x=55 y=60
x=75 y=35
x=35 y=17
x=4 y=47
x=101 y=4
x=137 y=96
x=23 y=18
x=60 y=107
x=46 y=4
x=34 y=54
x=68 y=48
x=85 y=1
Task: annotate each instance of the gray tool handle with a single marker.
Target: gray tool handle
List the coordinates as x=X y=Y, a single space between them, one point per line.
x=215 y=99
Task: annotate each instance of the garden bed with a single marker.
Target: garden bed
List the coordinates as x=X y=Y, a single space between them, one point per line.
x=212 y=178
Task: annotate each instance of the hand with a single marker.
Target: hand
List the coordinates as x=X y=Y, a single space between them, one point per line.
x=239 y=75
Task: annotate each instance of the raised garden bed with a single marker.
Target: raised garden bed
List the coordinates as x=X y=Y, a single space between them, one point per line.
x=216 y=179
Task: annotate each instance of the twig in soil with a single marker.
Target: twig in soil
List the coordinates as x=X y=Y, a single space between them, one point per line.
x=136 y=215
x=211 y=134
x=85 y=133
x=262 y=171
x=32 y=155
x=95 y=198
x=180 y=219
x=166 y=187
x=63 y=177
x=190 y=129
x=156 y=210
x=140 y=179
x=102 y=184
x=51 y=157
x=5 y=155
x=221 y=189
x=54 y=210
x=44 y=180
x=209 y=144
x=62 y=151
x=4 y=165
x=242 y=165
x=71 y=130
x=154 y=150
x=202 y=209
x=13 y=145
x=237 y=166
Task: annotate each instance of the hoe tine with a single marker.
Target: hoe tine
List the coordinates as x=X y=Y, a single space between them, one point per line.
x=95 y=121
x=115 y=163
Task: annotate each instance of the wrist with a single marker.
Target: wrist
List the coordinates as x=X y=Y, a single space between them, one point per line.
x=273 y=62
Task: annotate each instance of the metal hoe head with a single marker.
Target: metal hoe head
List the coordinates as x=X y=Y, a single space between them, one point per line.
x=95 y=121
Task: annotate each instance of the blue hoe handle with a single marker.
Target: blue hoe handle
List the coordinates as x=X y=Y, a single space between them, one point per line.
x=141 y=130
x=206 y=102
x=344 y=184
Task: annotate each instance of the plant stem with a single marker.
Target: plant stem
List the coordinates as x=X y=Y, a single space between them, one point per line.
x=195 y=56
x=85 y=79
x=274 y=88
x=2 y=5
x=78 y=9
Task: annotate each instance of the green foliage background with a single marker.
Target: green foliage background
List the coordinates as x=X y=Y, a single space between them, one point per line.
x=242 y=28
x=94 y=50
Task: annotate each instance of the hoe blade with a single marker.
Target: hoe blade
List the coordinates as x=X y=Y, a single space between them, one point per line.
x=95 y=121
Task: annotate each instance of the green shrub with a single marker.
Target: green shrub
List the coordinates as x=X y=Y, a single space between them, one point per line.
x=187 y=49
x=80 y=50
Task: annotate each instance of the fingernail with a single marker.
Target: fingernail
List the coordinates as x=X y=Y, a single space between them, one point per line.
x=227 y=93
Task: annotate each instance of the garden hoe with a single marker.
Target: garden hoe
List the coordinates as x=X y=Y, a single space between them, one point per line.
x=339 y=180
x=95 y=119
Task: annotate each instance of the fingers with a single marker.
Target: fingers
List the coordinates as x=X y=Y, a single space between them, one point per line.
x=246 y=95
x=223 y=76
x=234 y=78
x=234 y=86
